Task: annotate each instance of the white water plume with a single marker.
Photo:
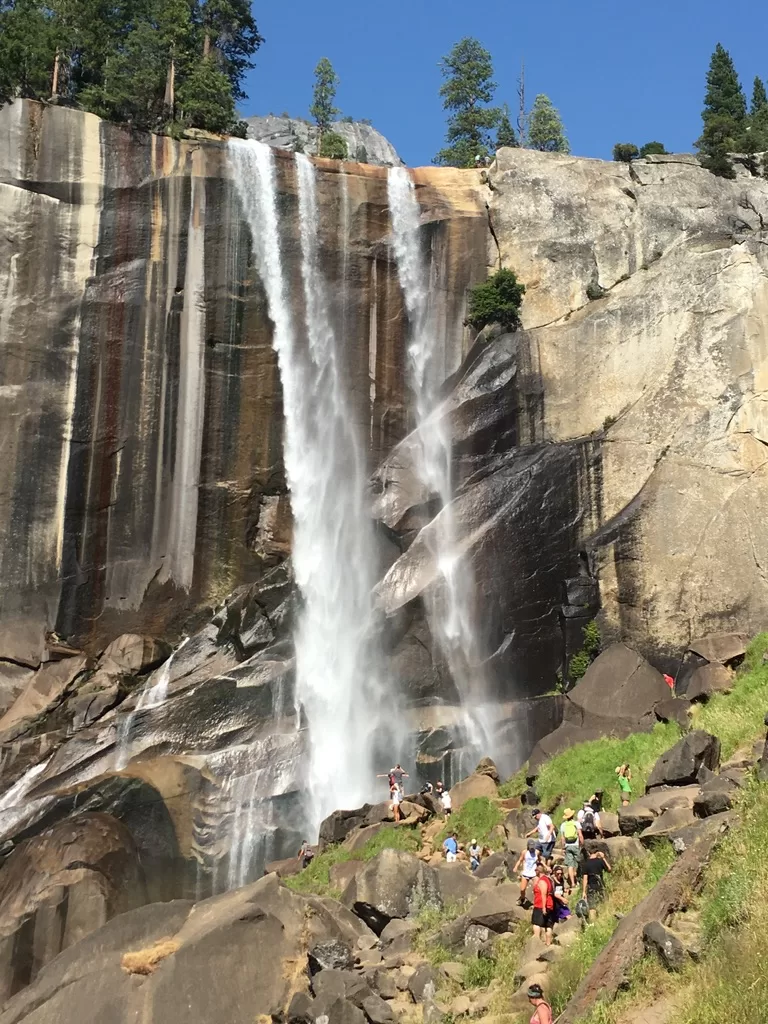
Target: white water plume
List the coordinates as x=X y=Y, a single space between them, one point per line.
x=450 y=610
x=333 y=548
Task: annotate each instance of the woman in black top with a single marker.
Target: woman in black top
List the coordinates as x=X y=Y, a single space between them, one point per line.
x=592 y=887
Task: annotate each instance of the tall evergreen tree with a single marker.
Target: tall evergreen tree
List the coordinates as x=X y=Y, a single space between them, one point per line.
x=27 y=50
x=229 y=27
x=545 y=128
x=759 y=98
x=205 y=97
x=758 y=118
x=724 y=115
x=323 y=95
x=505 y=133
x=467 y=93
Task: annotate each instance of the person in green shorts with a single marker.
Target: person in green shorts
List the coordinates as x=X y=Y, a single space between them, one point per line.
x=625 y=783
x=572 y=840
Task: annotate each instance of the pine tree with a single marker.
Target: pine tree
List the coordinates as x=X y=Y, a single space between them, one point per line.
x=653 y=148
x=229 y=27
x=467 y=92
x=205 y=97
x=724 y=115
x=505 y=133
x=758 y=118
x=323 y=95
x=759 y=98
x=545 y=129
x=27 y=50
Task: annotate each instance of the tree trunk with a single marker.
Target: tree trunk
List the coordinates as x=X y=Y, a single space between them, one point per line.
x=206 y=45
x=610 y=970
x=169 y=100
x=55 y=82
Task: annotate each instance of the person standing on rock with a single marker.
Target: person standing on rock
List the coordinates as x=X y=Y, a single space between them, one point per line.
x=306 y=854
x=572 y=839
x=526 y=865
x=395 y=796
x=542 y=1011
x=546 y=832
x=625 y=784
x=451 y=847
x=543 y=914
x=474 y=855
x=592 y=885
x=445 y=800
x=589 y=822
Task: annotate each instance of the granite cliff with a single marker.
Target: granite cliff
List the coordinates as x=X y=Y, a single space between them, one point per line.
x=609 y=458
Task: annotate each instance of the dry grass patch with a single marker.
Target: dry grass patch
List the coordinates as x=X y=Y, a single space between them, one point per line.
x=145 y=961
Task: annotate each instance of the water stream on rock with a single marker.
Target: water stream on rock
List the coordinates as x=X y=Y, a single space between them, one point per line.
x=333 y=552
x=449 y=606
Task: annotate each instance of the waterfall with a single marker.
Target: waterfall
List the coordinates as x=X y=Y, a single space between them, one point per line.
x=333 y=553
x=449 y=607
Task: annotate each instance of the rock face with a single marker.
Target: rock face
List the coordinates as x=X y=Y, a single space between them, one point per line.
x=680 y=765
x=666 y=371
x=364 y=144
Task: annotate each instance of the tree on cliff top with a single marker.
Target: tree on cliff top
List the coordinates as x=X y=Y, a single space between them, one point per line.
x=545 y=128
x=323 y=95
x=724 y=115
x=505 y=133
x=467 y=92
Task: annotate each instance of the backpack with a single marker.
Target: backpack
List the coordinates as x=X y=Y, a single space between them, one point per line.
x=570 y=831
x=588 y=824
x=582 y=909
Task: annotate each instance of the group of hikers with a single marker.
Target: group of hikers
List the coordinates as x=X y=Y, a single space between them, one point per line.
x=395 y=778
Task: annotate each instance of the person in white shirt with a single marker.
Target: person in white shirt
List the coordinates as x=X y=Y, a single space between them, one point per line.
x=445 y=800
x=546 y=833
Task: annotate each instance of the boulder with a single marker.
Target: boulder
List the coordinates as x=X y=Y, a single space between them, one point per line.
x=720 y=647
x=619 y=690
x=715 y=797
x=453 y=970
x=330 y=957
x=618 y=847
x=609 y=823
x=452 y=933
x=486 y=766
x=357 y=839
x=384 y=984
x=377 y=1010
x=392 y=885
x=473 y=786
x=284 y=868
x=642 y=812
x=477 y=938
x=667 y=823
x=665 y=944
x=457 y=883
x=680 y=765
x=674 y=709
x=42 y=693
x=497 y=909
x=421 y=978
x=132 y=654
x=490 y=865
x=396 y=929
x=707 y=680
x=301 y=1009
x=564 y=736
x=341 y=874
x=337 y=826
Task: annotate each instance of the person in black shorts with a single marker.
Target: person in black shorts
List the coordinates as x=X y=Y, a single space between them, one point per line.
x=543 y=914
x=592 y=886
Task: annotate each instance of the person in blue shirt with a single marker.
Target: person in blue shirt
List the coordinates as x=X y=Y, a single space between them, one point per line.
x=451 y=848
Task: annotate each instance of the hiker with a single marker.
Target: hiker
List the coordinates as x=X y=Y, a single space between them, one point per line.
x=543 y=914
x=625 y=783
x=589 y=822
x=596 y=801
x=474 y=855
x=445 y=800
x=670 y=682
x=398 y=774
x=546 y=833
x=439 y=787
x=451 y=848
x=526 y=865
x=427 y=788
x=573 y=839
x=542 y=1011
x=395 y=796
x=562 y=911
x=305 y=854
x=592 y=886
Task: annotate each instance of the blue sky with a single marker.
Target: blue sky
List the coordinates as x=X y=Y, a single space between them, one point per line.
x=616 y=72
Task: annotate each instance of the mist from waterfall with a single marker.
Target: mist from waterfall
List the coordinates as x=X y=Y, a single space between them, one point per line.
x=338 y=684
x=449 y=606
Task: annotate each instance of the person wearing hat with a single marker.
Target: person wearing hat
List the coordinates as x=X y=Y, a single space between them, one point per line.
x=526 y=865
x=542 y=1013
x=572 y=840
x=474 y=855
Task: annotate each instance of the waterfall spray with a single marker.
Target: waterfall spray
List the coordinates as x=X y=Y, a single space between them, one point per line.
x=449 y=607
x=333 y=552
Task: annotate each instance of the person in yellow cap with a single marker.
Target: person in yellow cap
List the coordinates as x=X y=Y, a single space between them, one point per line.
x=572 y=839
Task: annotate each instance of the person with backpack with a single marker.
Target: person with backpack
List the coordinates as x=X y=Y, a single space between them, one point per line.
x=543 y=914
x=572 y=839
x=589 y=822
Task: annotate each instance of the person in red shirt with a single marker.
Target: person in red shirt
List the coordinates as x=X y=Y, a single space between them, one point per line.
x=542 y=917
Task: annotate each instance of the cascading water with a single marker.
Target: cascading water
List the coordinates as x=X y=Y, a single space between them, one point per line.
x=148 y=698
x=333 y=552
x=450 y=607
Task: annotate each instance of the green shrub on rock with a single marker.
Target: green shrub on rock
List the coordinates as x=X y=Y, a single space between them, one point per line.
x=625 y=152
x=333 y=146
x=496 y=301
